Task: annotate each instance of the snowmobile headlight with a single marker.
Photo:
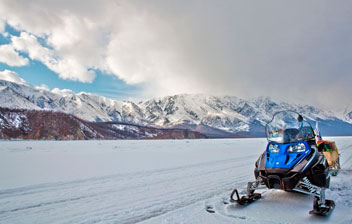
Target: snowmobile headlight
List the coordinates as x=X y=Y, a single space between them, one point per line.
x=274 y=148
x=297 y=148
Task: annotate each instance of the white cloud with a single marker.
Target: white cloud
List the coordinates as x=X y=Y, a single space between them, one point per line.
x=42 y=87
x=111 y=36
x=9 y=56
x=67 y=68
x=12 y=77
x=2 y=26
x=63 y=92
x=232 y=47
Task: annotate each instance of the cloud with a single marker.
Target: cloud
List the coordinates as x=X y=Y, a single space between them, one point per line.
x=12 y=77
x=298 y=51
x=9 y=56
x=2 y=26
x=67 y=68
x=42 y=87
x=63 y=92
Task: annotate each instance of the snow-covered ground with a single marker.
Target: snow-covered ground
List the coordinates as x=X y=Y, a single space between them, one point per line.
x=162 y=181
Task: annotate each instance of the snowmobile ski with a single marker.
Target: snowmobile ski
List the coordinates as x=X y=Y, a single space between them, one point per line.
x=244 y=200
x=322 y=209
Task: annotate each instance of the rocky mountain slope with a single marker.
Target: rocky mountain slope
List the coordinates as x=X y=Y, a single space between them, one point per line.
x=42 y=124
x=225 y=116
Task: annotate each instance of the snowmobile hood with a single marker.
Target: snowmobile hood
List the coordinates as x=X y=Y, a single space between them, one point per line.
x=286 y=156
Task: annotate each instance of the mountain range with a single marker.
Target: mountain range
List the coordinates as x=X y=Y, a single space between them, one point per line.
x=44 y=124
x=213 y=116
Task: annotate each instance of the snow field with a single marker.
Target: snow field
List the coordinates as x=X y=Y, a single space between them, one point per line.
x=168 y=181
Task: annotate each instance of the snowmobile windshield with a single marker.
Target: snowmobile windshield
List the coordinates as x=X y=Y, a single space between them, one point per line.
x=287 y=127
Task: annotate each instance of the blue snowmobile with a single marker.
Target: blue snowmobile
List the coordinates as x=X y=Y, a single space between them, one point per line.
x=291 y=162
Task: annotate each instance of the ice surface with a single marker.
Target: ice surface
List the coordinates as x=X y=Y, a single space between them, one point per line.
x=151 y=181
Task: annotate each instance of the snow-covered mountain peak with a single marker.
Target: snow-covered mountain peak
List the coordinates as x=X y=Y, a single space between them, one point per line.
x=221 y=113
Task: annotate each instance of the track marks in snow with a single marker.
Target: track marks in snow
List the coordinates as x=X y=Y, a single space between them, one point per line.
x=165 y=194
x=125 y=198
x=39 y=205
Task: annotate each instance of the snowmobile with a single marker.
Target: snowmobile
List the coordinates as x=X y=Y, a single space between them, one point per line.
x=291 y=162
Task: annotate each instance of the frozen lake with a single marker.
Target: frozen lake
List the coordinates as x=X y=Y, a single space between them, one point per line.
x=151 y=181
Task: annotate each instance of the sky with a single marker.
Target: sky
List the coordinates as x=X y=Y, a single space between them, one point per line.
x=294 y=51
